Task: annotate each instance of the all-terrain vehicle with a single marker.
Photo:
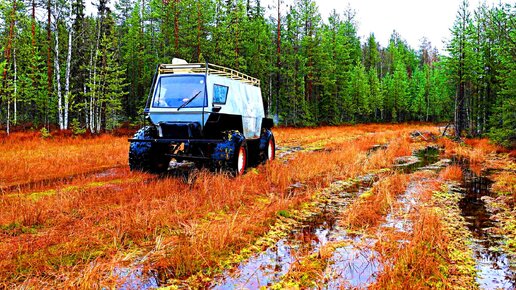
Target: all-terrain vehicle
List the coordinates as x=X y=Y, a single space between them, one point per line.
x=206 y=114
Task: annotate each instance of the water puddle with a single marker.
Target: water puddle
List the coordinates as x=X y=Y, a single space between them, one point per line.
x=283 y=152
x=493 y=266
x=353 y=266
x=397 y=218
x=418 y=160
x=268 y=267
x=377 y=147
x=135 y=279
x=356 y=265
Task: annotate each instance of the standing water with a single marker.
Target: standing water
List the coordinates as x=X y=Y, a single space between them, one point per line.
x=493 y=266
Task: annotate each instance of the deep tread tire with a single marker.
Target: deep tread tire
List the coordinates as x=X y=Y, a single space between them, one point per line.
x=267 y=150
x=146 y=156
x=226 y=154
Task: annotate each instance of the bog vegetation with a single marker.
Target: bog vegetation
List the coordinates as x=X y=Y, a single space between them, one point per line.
x=64 y=67
x=82 y=220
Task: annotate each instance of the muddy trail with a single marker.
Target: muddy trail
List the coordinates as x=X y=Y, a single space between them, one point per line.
x=495 y=269
x=186 y=171
x=55 y=181
x=298 y=235
x=354 y=262
x=319 y=228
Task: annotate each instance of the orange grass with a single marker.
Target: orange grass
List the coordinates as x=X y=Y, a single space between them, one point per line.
x=482 y=144
x=505 y=184
x=181 y=227
x=452 y=172
x=370 y=210
x=419 y=264
x=25 y=158
x=474 y=150
x=423 y=261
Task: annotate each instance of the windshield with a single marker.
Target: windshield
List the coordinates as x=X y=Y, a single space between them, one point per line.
x=180 y=92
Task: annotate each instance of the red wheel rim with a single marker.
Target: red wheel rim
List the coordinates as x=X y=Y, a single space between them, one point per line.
x=242 y=161
x=271 y=153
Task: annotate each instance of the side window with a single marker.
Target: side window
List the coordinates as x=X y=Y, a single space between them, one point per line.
x=220 y=94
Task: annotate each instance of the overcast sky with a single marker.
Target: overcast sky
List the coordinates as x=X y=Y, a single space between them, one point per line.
x=412 y=19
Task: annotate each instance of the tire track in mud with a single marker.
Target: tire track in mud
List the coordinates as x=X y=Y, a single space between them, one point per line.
x=351 y=256
x=49 y=182
x=357 y=264
x=175 y=170
x=307 y=235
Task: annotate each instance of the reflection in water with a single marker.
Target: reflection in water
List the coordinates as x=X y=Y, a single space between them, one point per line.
x=135 y=279
x=353 y=266
x=493 y=265
x=268 y=267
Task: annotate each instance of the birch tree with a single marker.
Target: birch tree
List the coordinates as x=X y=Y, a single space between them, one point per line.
x=69 y=26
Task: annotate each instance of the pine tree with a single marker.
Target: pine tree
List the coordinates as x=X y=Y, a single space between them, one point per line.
x=375 y=95
x=461 y=65
x=106 y=86
x=502 y=122
x=371 y=54
x=359 y=92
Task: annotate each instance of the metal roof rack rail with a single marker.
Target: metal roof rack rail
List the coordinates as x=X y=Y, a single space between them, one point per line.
x=210 y=69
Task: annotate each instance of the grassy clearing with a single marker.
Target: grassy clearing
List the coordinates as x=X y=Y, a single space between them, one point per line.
x=79 y=234
x=27 y=158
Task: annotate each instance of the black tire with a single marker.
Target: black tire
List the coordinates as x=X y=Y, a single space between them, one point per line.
x=226 y=154
x=267 y=150
x=147 y=156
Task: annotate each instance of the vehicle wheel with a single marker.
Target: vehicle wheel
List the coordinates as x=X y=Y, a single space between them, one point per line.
x=267 y=147
x=239 y=163
x=146 y=156
x=231 y=154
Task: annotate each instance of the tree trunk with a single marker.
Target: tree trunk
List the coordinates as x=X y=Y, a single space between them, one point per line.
x=7 y=54
x=93 y=98
x=33 y=23
x=199 y=31
x=278 y=60
x=58 y=71
x=15 y=95
x=68 y=65
x=176 y=27
x=49 y=51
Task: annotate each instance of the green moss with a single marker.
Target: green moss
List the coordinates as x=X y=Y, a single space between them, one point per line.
x=284 y=213
x=16 y=229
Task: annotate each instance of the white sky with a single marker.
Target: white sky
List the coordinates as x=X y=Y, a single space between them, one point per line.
x=412 y=19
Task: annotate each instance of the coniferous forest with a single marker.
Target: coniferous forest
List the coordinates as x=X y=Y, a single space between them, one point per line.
x=64 y=69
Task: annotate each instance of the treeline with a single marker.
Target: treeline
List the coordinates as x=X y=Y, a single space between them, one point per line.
x=65 y=68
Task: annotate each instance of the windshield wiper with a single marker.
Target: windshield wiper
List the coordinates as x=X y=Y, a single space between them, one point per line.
x=188 y=101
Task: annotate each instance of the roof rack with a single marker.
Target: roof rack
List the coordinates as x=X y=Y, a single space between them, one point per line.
x=210 y=69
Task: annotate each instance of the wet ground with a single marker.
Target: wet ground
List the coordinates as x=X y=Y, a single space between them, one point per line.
x=269 y=267
x=493 y=265
x=353 y=264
